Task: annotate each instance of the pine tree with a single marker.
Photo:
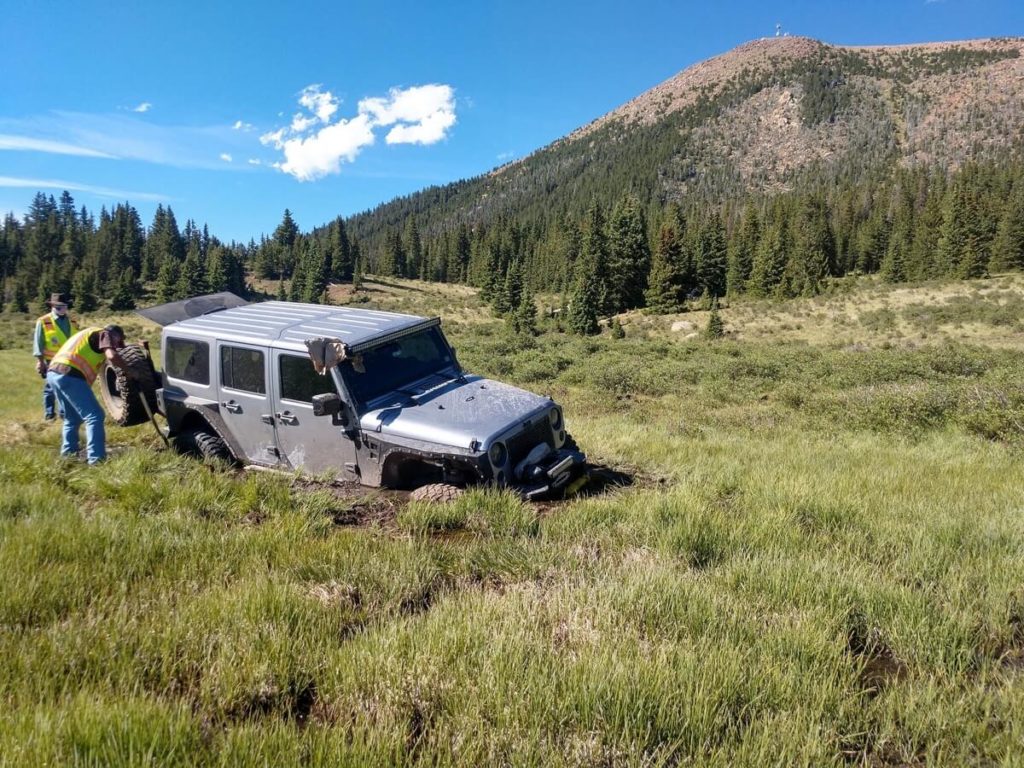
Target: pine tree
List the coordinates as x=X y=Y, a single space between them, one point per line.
x=192 y=279
x=813 y=254
x=459 y=267
x=123 y=298
x=956 y=233
x=217 y=269
x=512 y=291
x=741 y=251
x=770 y=258
x=167 y=281
x=872 y=239
x=1008 y=245
x=413 y=249
x=629 y=256
x=285 y=237
x=584 y=301
x=392 y=262
x=524 y=319
x=84 y=291
x=314 y=282
x=357 y=274
x=594 y=253
x=973 y=263
x=341 y=264
x=665 y=293
x=711 y=258
x=923 y=261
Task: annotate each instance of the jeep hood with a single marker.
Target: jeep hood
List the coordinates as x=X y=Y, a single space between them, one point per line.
x=453 y=413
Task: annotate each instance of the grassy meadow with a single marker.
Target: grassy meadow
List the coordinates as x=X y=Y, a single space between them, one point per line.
x=817 y=559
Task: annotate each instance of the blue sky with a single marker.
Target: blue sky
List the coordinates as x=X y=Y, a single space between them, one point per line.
x=232 y=112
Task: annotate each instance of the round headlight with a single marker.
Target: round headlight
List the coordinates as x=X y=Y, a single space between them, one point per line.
x=497 y=454
x=556 y=419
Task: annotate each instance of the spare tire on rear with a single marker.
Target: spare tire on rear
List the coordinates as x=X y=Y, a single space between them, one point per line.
x=121 y=391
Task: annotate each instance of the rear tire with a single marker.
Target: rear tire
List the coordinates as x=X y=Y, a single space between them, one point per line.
x=121 y=390
x=437 y=493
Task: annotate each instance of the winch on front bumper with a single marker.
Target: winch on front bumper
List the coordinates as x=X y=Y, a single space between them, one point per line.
x=546 y=472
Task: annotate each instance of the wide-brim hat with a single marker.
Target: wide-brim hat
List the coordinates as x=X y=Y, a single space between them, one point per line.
x=58 y=298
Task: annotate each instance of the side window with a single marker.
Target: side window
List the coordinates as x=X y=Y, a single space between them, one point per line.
x=188 y=360
x=242 y=368
x=300 y=381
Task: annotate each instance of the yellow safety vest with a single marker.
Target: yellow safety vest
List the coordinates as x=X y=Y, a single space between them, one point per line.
x=77 y=353
x=53 y=336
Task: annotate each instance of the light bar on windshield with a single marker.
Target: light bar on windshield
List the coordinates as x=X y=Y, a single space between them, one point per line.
x=377 y=341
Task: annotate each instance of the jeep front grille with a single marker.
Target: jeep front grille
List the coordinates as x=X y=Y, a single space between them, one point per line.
x=523 y=442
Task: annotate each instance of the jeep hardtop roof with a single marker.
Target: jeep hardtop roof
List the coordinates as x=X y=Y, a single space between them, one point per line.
x=287 y=325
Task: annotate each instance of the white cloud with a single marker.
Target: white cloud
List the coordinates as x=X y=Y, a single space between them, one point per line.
x=29 y=144
x=322 y=153
x=254 y=161
x=225 y=157
x=418 y=115
x=240 y=126
x=301 y=123
x=429 y=130
x=143 y=107
x=123 y=136
x=274 y=137
x=320 y=103
x=503 y=156
x=73 y=186
x=423 y=113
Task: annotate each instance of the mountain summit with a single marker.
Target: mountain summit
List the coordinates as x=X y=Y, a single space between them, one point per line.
x=766 y=117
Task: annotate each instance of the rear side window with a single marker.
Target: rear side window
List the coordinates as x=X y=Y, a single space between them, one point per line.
x=188 y=360
x=242 y=368
x=300 y=381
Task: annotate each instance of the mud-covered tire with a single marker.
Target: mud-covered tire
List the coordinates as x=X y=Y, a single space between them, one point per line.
x=121 y=389
x=437 y=493
x=570 y=443
x=203 y=444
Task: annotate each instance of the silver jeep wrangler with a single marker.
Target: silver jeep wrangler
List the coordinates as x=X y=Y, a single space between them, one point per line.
x=373 y=397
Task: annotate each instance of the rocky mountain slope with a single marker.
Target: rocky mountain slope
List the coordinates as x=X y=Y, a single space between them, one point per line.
x=769 y=116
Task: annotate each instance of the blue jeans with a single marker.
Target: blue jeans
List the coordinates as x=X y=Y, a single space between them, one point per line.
x=80 y=405
x=51 y=406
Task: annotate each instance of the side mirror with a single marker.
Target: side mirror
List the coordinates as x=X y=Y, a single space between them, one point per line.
x=327 y=404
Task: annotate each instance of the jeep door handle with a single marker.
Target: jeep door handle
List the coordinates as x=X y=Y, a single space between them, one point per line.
x=287 y=417
x=232 y=406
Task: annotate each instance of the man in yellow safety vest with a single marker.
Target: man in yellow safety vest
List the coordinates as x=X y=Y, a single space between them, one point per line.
x=71 y=374
x=52 y=330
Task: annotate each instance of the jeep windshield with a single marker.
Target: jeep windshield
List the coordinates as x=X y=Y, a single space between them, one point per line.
x=397 y=365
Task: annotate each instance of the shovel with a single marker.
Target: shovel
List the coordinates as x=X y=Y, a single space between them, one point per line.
x=152 y=419
x=145 y=403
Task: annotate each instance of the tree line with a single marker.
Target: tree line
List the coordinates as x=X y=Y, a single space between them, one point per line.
x=916 y=225
x=59 y=247
x=919 y=224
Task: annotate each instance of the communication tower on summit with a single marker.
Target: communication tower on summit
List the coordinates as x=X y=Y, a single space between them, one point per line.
x=778 y=30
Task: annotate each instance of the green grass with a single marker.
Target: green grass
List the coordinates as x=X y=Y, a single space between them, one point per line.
x=820 y=562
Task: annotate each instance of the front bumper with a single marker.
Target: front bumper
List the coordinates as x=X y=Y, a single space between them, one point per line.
x=552 y=475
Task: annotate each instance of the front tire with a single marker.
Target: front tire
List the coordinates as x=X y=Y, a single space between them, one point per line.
x=437 y=493
x=570 y=443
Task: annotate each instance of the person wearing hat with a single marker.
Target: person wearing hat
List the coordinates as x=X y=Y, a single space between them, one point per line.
x=71 y=374
x=52 y=330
